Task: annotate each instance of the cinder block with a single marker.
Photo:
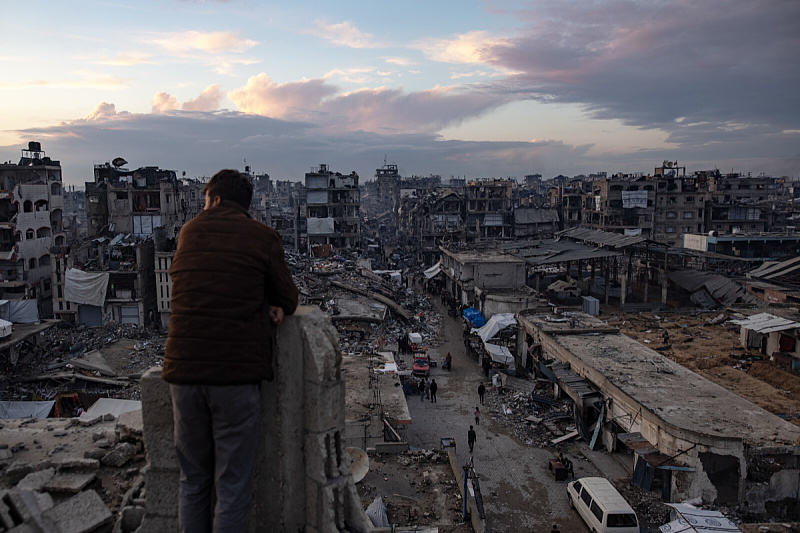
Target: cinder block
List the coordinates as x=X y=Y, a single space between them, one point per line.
x=391 y=447
x=324 y=406
x=321 y=456
x=332 y=506
x=69 y=483
x=162 y=488
x=82 y=513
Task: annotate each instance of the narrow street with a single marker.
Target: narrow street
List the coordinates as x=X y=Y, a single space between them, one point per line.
x=519 y=492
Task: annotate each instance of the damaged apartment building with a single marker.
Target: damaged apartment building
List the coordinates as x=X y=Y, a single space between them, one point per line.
x=333 y=211
x=110 y=277
x=691 y=437
x=31 y=211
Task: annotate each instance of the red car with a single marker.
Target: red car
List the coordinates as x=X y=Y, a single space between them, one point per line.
x=422 y=364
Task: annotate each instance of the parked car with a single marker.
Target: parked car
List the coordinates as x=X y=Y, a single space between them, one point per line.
x=600 y=505
x=422 y=364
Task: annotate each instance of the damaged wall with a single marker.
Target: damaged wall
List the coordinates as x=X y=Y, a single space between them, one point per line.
x=302 y=479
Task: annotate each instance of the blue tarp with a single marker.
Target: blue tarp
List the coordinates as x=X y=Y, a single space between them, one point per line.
x=474 y=317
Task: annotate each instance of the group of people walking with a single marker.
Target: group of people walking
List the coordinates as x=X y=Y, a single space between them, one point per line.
x=427 y=389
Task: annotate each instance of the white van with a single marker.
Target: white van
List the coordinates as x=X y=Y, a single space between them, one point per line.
x=600 y=505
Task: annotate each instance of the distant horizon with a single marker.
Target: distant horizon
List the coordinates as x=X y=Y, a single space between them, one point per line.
x=461 y=87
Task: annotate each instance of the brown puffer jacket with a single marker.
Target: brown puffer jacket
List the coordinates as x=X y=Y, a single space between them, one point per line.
x=226 y=272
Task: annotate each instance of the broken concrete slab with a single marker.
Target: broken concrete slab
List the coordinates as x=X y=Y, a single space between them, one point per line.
x=89 y=420
x=36 y=480
x=82 y=513
x=130 y=519
x=69 y=483
x=5 y=455
x=18 y=470
x=130 y=425
x=77 y=464
x=27 y=506
x=94 y=362
x=120 y=455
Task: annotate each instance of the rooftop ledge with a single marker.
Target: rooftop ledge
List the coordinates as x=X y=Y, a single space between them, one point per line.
x=302 y=479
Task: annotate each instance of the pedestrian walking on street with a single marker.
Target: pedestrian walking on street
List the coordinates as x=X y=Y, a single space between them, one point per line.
x=427 y=389
x=449 y=361
x=555 y=529
x=433 y=388
x=471 y=437
x=477 y=416
x=422 y=390
x=481 y=391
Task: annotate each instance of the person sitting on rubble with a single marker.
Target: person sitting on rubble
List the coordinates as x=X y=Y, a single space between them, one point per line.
x=567 y=464
x=231 y=290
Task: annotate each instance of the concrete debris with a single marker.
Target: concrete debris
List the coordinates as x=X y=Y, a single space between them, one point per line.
x=17 y=471
x=37 y=480
x=69 y=483
x=120 y=455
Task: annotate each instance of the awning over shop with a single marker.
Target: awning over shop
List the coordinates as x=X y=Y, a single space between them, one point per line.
x=693 y=520
x=494 y=325
x=432 y=271
x=499 y=354
x=25 y=409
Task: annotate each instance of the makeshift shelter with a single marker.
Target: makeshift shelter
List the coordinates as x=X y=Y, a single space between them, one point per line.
x=474 y=317
x=25 y=409
x=19 y=311
x=494 y=325
x=770 y=334
x=500 y=354
x=434 y=270
x=5 y=328
x=692 y=520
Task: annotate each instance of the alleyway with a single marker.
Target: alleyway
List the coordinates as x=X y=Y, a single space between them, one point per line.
x=519 y=492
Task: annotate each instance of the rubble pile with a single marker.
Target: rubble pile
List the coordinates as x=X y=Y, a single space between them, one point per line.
x=534 y=423
x=649 y=507
x=69 y=475
x=417 y=488
x=49 y=369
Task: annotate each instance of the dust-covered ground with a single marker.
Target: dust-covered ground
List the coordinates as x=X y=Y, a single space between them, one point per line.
x=708 y=344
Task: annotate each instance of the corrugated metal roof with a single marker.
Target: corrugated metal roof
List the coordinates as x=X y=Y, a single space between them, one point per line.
x=766 y=323
x=602 y=238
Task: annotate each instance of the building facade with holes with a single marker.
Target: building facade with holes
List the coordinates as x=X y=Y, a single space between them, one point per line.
x=31 y=209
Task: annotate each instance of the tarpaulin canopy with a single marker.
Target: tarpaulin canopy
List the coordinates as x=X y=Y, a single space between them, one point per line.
x=693 y=520
x=632 y=199
x=432 y=271
x=23 y=311
x=87 y=288
x=499 y=354
x=474 y=317
x=495 y=324
x=25 y=409
x=112 y=406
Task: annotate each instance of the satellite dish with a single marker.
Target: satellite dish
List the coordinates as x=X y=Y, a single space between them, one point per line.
x=360 y=465
x=118 y=162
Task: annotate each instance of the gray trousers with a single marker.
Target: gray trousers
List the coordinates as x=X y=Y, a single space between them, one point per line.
x=216 y=439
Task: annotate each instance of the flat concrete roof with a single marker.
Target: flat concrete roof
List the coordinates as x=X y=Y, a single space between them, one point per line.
x=675 y=394
x=488 y=255
x=20 y=332
x=359 y=396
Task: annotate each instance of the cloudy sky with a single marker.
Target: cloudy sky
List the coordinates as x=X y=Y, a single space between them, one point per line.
x=450 y=87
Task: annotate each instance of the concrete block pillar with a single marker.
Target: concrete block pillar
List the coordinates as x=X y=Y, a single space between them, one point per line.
x=302 y=479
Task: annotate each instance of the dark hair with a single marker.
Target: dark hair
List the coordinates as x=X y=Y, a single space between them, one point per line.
x=230 y=185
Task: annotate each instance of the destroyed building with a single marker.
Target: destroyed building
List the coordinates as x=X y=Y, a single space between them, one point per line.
x=31 y=212
x=488 y=209
x=333 y=209
x=687 y=434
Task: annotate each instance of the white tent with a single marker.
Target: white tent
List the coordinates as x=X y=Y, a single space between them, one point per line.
x=25 y=409
x=500 y=354
x=23 y=312
x=495 y=324
x=693 y=520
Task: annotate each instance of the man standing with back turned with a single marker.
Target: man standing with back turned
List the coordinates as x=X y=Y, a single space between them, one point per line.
x=231 y=288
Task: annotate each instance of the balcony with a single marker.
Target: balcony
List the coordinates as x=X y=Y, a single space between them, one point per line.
x=302 y=478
